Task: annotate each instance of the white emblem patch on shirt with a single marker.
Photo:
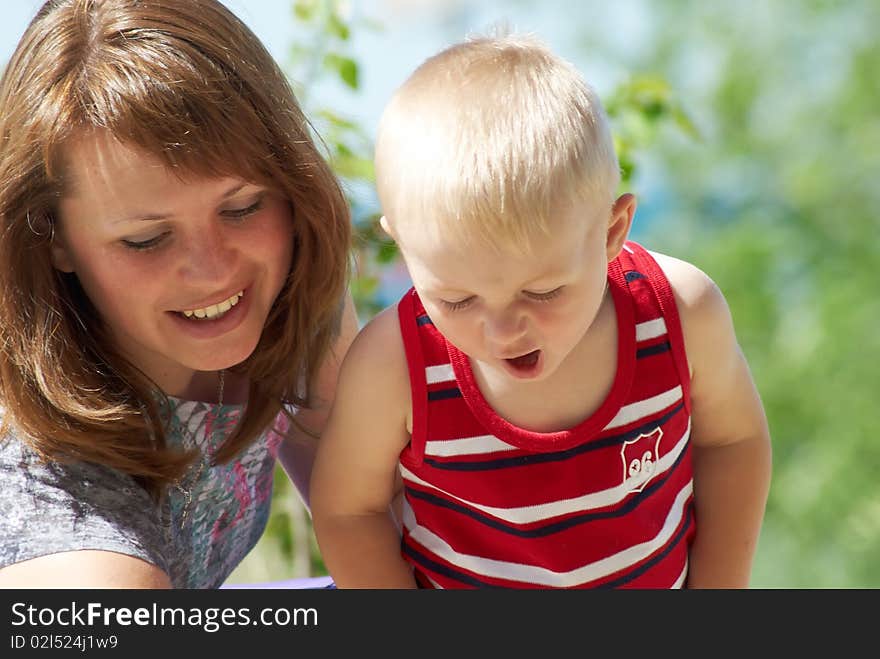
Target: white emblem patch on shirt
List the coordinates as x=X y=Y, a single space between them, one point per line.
x=639 y=457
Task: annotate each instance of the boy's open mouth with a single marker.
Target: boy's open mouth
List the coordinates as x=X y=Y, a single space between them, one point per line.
x=525 y=362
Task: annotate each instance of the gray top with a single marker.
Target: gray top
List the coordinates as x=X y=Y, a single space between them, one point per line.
x=51 y=508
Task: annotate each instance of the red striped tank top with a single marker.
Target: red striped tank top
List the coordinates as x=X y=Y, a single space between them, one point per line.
x=606 y=504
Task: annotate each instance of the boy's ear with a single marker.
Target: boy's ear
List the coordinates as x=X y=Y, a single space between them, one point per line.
x=383 y=222
x=60 y=254
x=619 y=224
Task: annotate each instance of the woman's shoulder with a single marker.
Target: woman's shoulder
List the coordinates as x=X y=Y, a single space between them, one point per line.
x=52 y=507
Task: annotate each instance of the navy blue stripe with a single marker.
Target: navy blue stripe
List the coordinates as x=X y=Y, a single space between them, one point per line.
x=653 y=350
x=647 y=565
x=632 y=275
x=442 y=394
x=538 y=458
x=553 y=527
x=423 y=320
x=439 y=568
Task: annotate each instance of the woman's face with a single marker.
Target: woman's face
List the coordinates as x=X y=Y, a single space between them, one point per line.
x=183 y=272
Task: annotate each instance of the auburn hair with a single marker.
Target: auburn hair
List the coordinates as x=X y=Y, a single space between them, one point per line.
x=191 y=84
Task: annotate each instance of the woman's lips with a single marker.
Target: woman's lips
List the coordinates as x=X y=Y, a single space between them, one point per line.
x=210 y=328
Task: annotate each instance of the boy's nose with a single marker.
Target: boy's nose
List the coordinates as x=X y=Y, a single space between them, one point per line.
x=504 y=328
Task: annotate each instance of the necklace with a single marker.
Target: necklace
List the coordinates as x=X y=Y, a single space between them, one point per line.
x=193 y=478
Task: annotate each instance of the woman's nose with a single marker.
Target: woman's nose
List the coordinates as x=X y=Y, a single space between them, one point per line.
x=208 y=256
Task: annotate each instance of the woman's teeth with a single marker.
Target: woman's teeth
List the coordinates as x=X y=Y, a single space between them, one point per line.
x=215 y=310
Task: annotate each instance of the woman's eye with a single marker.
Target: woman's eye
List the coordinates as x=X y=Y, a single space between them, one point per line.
x=456 y=306
x=241 y=213
x=544 y=297
x=144 y=245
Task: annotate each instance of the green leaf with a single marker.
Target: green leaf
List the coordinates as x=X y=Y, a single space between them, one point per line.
x=387 y=253
x=345 y=67
x=683 y=121
x=305 y=10
x=354 y=167
x=364 y=287
x=336 y=120
x=348 y=71
x=338 y=28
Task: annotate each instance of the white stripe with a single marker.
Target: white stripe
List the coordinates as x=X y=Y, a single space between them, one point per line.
x=467 y=446
x=628 y=249
x=434 y=583
x=542 y=576
x=643 y=408
x=441 y=373
x=491 y=444
x=679 y=583
x=650 y=329
x=543 y=511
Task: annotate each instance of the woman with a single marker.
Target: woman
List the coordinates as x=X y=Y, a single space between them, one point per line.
x=173 y=309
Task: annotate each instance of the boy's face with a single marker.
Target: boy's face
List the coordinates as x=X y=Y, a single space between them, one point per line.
x=519 y=315
x=184 y=273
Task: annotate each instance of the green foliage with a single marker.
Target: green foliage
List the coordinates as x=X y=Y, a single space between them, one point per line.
x=325 y=50
x=639 y=108
x=324 y=53
x=778 y=205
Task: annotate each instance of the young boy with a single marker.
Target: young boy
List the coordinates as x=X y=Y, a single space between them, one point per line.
x=550 y=406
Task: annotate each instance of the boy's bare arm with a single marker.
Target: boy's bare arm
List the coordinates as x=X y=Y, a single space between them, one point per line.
x=353 y=481
x=729 y=435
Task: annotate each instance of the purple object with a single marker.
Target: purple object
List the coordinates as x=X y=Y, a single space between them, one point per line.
x=305 y=582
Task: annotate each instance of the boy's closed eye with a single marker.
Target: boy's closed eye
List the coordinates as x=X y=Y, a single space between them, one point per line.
x=544 y=296
x=460 y=304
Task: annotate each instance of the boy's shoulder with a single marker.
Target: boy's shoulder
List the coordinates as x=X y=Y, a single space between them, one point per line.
x=692 y=287
x=379 y=339
x=377 y=352
x=374 y=376
x=702 y=308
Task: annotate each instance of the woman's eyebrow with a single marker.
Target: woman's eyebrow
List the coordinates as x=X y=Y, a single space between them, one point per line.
x=152 y=217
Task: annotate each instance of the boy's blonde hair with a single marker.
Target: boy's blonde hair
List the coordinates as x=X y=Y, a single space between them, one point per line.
x=489 y=138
